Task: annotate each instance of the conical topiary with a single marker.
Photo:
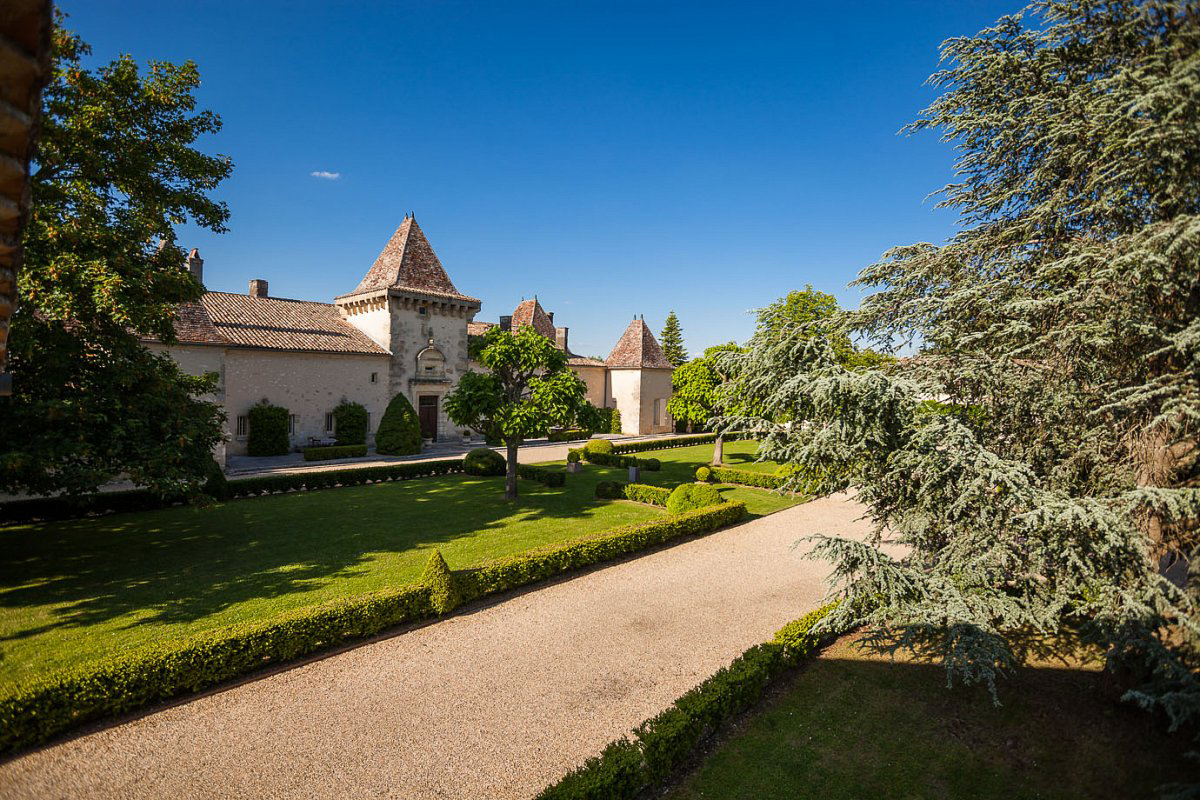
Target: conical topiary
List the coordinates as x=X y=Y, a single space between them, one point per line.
x=399 y=432
x=443 y=591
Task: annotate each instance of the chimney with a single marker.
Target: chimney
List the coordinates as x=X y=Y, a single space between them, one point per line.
x=258 y=288
x=506 y=323
x=195 y=265
x=550 y=314
x=560 y=338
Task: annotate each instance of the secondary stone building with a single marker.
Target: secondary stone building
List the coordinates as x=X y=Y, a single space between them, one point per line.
x=403 y=330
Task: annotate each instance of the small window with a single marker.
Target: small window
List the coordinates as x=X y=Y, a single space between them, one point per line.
x=329 y=422
x=422 y=311
x=292 y=425
x=374 y=377
x=243 y=425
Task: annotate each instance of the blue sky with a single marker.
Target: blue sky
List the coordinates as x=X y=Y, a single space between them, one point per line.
x=612 y=158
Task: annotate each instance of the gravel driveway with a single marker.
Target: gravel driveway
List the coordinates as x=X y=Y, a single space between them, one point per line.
x=494 y=702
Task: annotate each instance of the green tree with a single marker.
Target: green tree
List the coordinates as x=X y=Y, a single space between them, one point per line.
x=694 y=391
x=672 y=341
x=114 y=171
x=527 y=390
x=399 y=432
x=1059 y=475
x=351 y=423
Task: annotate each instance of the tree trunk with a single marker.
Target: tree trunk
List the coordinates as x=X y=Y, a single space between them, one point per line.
x=718 y=450
x=510 y=480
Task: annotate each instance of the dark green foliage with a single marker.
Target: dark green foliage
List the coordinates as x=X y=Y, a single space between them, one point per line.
x=668 y=442
x=571 y=435
x=124 y=683
x=744 y=477
x=611 y=460
x=672 y=341
x=616 y=774
x=337 y=451
x=610 y=490
x=547 y=477
x=691 y=496
x=598 y=446
x=703 y=474
x=268 y=430
x=666 y=742
x=116 y=170
x=399 y=432
x=351 y=423
x=216 y=485
x=444 y=596
x=484 y=461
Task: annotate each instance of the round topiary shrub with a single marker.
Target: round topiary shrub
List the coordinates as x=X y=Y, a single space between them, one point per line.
x=650 y=464
x=610 y=490
x=482 y=461
x=351 y=423
x=691 y=496
x=598 y=446
x=703 y=474
x=268 y=430
x=572 y=456
x=399 y=432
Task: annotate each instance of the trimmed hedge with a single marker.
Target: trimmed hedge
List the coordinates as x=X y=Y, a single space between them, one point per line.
x=645 y=493
x=703 y=474
x=612 y=460
x=351 y=423
x=763 y=480
x=337 y=451
x=666 y=742
x=509 y=573
x=399 y=431
x=614 y=421
x=570 y=435
x=598 y=446
x=45 y=708
x=484 y=461
x=665 y=444
x=549 y=477
x=690 y=496
x=268 y=434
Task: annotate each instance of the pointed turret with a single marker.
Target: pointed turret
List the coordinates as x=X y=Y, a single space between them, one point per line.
x=636 y=348
x=408 y=263
x=530 y=314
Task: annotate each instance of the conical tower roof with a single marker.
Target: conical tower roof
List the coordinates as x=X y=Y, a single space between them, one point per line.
x=637 y=347
x=408 y=263
x=531 y=314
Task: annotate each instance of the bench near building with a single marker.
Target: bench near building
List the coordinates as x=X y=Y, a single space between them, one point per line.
x=403 y=330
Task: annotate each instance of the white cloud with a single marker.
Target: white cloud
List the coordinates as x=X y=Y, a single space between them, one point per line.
x=325 y=175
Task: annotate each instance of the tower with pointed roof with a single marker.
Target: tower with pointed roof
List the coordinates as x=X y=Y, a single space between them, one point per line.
x=639 y=378
x=407 y=304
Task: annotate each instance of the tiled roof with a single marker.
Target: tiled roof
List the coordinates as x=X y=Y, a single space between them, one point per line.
x=409 y=263
x=279 y=324
x=584 y=361
x=193 y=325
x=531 y=314
x=479 y=328
x=638 y=348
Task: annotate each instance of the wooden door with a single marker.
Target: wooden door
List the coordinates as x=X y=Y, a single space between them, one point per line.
x=427 y=411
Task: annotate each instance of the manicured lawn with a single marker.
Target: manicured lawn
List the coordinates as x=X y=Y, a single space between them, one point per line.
x=73 y=591
x=853 y=726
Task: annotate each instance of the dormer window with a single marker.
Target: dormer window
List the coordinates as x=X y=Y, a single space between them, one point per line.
x=431 y=363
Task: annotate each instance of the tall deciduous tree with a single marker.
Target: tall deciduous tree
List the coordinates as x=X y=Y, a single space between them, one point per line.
x=694 y=388
x=115 y=169
x=527 y=390
x=1060 y=477
x=672 y=341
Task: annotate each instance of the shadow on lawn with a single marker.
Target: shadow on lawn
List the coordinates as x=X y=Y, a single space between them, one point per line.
x=182 y=564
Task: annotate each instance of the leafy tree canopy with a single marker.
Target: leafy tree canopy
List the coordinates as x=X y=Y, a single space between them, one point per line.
x=672 y=341
x=114 y=171
x=1058 y=474
x=527 y=390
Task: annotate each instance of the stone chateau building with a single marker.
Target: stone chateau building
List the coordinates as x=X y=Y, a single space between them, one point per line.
x=403 y=330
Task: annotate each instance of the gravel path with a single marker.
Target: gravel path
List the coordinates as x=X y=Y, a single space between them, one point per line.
x=495 y=702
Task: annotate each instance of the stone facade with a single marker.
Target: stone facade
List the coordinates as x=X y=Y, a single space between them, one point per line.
x=405 y=329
